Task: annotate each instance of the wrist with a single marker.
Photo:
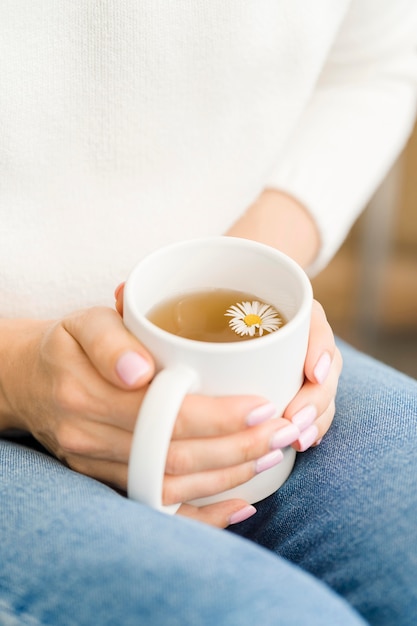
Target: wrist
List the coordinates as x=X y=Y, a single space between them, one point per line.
x=16 y=339
x=282 y=222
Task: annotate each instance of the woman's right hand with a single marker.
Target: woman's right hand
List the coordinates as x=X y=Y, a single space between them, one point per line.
x=69 y=383
x=77 y=385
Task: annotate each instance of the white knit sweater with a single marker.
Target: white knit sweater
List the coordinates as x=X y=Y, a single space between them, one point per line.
x=127 y=124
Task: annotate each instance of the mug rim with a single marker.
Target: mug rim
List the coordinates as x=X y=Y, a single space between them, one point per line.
x=207 y=346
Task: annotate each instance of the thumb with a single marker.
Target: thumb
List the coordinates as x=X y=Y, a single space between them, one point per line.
x=112 y=350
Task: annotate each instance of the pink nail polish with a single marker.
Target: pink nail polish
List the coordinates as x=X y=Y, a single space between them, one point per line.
x=285 y=436
x=308 y=437
x=131 y=366
x=322 y=367
x=305 y=417
x=269 y=460
x=241 y=515
x=261 y=414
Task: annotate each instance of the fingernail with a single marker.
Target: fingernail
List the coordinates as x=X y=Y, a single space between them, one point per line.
x=261 y=414
x=241 y=515
x=305 y=417
x=131 y=366
x=285 y=436
x=322 y=367
x=308 y=437
x=117 y=290
x=268 y=461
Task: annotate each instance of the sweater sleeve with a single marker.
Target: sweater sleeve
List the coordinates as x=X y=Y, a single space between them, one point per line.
x=358 y=119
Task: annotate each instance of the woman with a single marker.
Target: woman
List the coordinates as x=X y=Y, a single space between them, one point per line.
x=129 y=126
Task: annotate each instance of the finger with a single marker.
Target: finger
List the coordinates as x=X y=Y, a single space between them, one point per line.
x=196 y=455
x=314 y=398
x=205 y=416
x=321 y=346
x=118 y=295
x=203 y=484
x=314 y=433
x=112 y=349
x=80 y=437
x=313 y=409
x=221 y=514
x=108 y=472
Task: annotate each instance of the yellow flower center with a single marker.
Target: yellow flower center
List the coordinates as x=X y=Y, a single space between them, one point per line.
x=251 y=319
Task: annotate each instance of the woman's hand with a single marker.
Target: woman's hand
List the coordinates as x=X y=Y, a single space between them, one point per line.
x=310 y=414
x=313 y=408
x=280 y=221
x=77 y=384
x=69 y=383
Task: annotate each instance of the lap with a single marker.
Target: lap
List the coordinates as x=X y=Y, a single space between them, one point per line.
x=76 y=552
x=347 y=513
x=79 y=553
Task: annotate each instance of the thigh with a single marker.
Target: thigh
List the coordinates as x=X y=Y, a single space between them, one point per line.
x=75 y=552
x=348 y=512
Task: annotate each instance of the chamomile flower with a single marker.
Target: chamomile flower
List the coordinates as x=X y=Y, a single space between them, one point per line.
x=249 y=317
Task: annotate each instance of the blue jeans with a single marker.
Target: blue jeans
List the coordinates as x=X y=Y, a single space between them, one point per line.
x=337 y=541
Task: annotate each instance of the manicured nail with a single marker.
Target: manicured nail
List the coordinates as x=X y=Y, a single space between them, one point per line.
x=308 y=437
x=268 y=461
x=117 y=290
x=305 y=417
x=285 y=436
x=131 y=366
x=243 y=514
x=261 y=414
x=322 y=367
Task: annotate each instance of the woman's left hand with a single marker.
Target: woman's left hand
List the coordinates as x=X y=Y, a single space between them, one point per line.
x=282 y=222
x=313 y=408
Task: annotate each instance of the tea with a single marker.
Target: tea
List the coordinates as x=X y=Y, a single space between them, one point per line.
x=216 y=315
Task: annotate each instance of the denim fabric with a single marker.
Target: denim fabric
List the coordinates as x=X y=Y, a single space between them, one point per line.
x=348 y=513
x=74 y=552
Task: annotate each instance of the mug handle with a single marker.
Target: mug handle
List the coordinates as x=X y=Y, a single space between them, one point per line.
x=152 y=435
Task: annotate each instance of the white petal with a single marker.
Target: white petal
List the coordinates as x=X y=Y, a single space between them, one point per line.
x=230 y=313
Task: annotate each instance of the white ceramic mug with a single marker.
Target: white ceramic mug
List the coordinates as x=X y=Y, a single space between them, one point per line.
x=271 y=366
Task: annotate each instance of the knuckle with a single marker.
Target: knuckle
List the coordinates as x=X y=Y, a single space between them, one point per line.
x=234 y=476
x=69 y=396
x=171 y=491
x=69 y=438
x=252 y=445
x=178 y=460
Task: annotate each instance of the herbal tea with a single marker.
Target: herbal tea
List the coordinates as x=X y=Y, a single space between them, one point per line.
x=216 y=315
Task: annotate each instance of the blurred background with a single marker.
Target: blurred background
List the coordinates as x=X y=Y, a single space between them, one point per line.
x=369 y=290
